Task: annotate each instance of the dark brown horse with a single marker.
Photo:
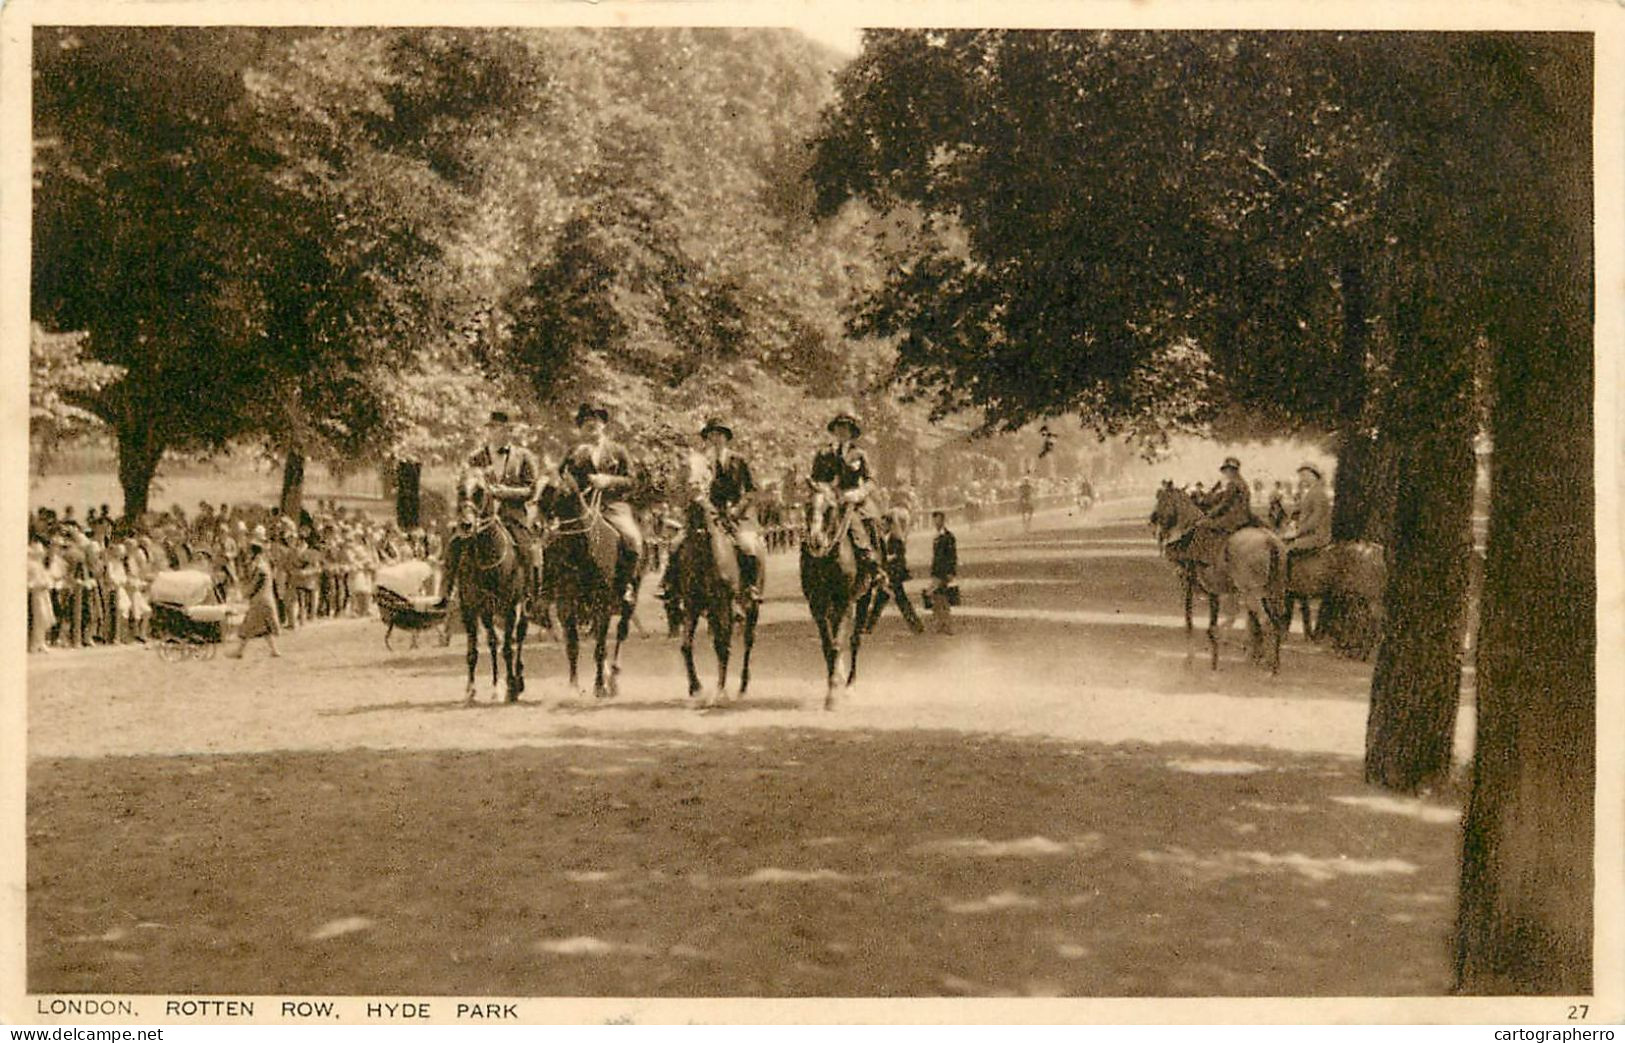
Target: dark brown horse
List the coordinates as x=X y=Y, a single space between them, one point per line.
x=490 y=588
x=589 y=582
x=837 y=590
x=1252 y=567
x=707 y=582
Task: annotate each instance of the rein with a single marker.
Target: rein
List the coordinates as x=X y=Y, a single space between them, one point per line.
x=485 y=525
x=842 y=529
x=592 y=512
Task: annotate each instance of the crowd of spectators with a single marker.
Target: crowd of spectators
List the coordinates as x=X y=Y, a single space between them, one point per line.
x=89 y=576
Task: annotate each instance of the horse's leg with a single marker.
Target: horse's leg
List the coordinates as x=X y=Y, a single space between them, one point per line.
x=751 y=615
x=826 y=639
x=722 y=635
x=857 y=635
x=472 y=627
x=507 y=653
x=600 y=637
x=1213 y=627
x=839 y=677
x=691 y=622
x=494 y=641
x=521 y=628
x=388 y=630
x=621 y=630
x=1190 y=627
x=572 y=646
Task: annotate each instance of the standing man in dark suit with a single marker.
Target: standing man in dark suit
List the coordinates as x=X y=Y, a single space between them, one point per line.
x=944 y=570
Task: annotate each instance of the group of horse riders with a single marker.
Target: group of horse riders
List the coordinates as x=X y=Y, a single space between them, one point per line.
x=1228 y=508
x=598 y=467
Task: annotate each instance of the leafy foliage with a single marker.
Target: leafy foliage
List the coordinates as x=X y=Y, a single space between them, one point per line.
x=1075 y=203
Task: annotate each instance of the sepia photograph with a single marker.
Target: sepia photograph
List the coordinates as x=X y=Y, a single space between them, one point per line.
x=523 y=514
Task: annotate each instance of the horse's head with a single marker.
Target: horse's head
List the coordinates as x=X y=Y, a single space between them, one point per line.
x=823 y=516
x=1173 y=510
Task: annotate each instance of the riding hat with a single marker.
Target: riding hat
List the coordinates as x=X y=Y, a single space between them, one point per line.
x=845 y=418
x=499 y=416
x=592 y=409
x=1230 y=464
x=716 y=424
x=1311 y=468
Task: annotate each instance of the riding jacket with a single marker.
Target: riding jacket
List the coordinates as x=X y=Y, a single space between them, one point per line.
x=1314 y=519
x=730 y=483
x=512 y=473
x=847 y=469
x=1230 y=508
x=588 y=459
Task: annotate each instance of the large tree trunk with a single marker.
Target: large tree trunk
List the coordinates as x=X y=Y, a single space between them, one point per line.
x=1416 y=690
x=139 y=450
x=1354 y=445
x=1525 y=914
x=1367 y=466
x=409 y=494
x=293 y=484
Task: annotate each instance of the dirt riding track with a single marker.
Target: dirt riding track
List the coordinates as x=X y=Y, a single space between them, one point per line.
x=1048 y=802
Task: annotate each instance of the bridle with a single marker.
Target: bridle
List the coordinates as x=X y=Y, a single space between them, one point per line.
x=484 y=523
x=843 y=526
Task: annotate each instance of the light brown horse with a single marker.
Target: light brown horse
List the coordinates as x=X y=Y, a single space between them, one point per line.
x=1354 y=571
x=1252 y=567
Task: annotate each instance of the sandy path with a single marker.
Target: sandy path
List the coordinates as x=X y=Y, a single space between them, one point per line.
x=1061 y=667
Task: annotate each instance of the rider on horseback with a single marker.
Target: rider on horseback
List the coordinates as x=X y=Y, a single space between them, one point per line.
x=510 y=473
x=1314 y=515
x=846 y=467
x=1228 y=509
x=600 y=464
x=730 y=493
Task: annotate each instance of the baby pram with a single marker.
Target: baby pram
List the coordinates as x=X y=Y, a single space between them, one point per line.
x=403 y=601
x=188 y=618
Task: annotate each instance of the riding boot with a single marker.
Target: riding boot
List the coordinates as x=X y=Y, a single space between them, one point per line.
x=667 y=589
x=625 y=576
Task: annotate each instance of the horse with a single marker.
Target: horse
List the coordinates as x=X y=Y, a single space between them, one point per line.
x=707 y=580
x=586 y=580
x=837 y=593
x=1353 y=570
x=491 y=581
x=1253 y=569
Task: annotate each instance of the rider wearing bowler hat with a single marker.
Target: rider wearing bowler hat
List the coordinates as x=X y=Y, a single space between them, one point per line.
x=601 y=464
x=844 y=465
x=1314 y=513
x=1229 y=508
x=511 y=474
